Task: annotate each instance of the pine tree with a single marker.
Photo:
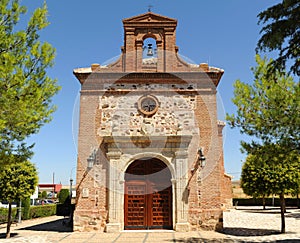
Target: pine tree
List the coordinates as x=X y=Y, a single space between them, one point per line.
x=268 y=110
x=25 y=89
x=281 y=32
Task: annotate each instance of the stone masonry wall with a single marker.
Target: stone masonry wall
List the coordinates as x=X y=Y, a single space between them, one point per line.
x=120 y=116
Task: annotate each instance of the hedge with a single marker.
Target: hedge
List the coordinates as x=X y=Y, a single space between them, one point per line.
x=34 y=212
x=4 y=213
x=290 y=202
x=42 y=211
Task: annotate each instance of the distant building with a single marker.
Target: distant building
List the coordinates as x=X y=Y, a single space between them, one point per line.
x=150 y=150
x=54 y=188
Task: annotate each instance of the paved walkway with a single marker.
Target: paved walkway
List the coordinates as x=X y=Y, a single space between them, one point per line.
x=244 y=224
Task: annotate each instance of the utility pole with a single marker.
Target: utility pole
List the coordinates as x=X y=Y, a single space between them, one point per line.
x=53 y=186
x=20 y=212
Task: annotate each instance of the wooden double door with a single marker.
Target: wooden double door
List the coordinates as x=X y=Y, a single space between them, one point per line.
x=148 y=195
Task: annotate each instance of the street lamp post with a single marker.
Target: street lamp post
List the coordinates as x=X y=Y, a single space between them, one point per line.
x=71 y=182
x=20 y=212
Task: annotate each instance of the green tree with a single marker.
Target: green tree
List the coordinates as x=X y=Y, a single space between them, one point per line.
x=253 y=182
x=26 y=207
x=25 y=89
x=268 y=110
x=44 y=194
x=63 y=195
x=281 y=32
x=271 y=171
x=17 y=181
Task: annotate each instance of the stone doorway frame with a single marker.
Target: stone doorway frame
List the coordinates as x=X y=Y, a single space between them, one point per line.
x=149 y=183
x=171 y=150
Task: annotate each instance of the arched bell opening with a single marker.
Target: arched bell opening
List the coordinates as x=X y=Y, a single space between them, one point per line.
x=150 y=54
x=148 y=195
x=149 y=48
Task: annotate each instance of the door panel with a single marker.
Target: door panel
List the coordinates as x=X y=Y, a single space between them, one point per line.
x=161 y=209
x=135 y=205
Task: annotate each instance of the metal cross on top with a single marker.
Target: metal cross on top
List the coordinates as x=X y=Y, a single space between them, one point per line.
x=149 y=8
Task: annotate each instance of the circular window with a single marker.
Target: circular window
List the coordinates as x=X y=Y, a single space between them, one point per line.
x=148 y=105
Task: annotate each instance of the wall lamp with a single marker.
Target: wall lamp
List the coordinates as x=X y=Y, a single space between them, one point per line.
x=91 y=160
x=201 y=158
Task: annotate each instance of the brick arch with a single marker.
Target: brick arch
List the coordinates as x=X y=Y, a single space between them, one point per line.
x=148 y=155
x=143 y=36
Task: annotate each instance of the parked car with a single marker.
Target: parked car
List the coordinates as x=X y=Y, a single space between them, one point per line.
x=52 y=195
x=45 y=201
x=4 y=204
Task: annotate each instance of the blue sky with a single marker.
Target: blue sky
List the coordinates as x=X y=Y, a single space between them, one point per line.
x=223 y=33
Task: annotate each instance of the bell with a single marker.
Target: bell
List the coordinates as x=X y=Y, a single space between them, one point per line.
x=150 y=50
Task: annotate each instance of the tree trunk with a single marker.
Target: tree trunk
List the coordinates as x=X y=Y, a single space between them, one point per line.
x=282 y=210
x=298 y=203
x=264 y=202
x=9 y=220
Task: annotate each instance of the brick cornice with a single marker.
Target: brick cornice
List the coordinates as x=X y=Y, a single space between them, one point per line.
x=175 y=77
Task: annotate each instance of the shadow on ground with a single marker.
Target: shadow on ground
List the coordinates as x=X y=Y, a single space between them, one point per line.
x=295 y=215
x=56 y=226
x=270 y=210
x=236 y=231
x=261 y=210
x=3 y=235
x=202 y=240
x=290 y=212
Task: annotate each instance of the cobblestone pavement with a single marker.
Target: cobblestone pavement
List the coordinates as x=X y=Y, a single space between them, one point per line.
x=244 y=224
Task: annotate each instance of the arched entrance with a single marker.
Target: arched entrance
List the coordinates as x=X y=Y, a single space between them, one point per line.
x=148 y=195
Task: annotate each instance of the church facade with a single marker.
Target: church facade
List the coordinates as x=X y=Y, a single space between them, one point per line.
x=150 y=145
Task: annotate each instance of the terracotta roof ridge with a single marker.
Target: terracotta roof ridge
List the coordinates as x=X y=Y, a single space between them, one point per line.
x=148 y=14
